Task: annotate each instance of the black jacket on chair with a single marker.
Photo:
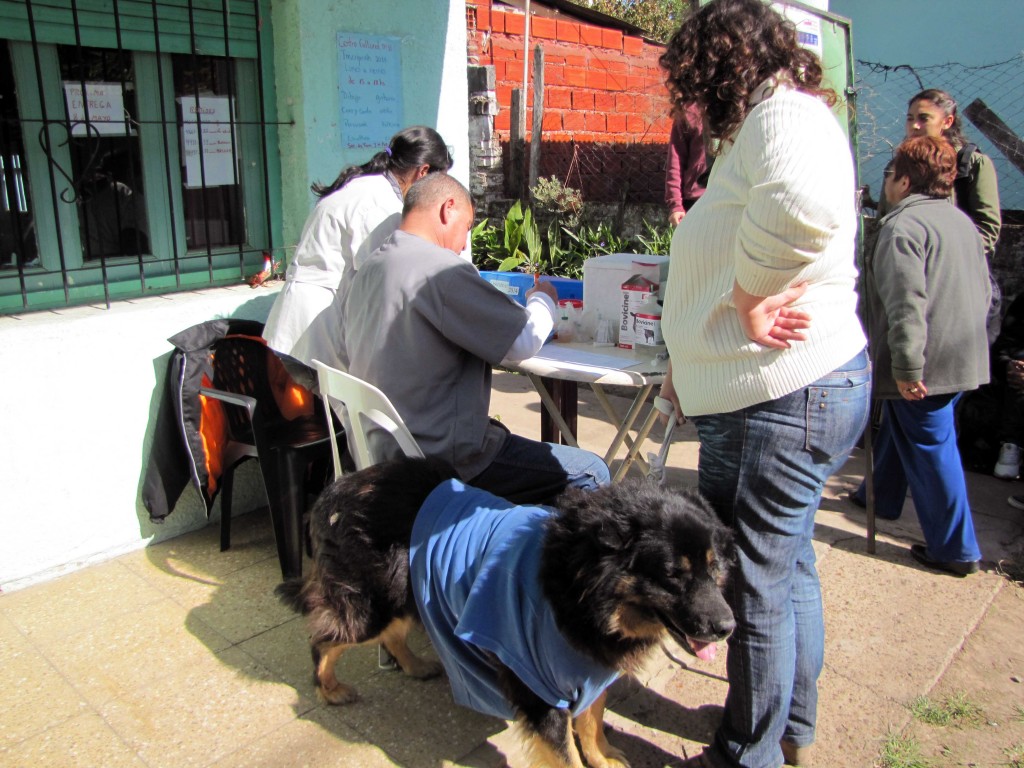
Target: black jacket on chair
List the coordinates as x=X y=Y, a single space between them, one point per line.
x=178 y=453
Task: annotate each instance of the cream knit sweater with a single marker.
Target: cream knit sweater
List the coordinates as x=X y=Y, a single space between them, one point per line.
x=778 y=210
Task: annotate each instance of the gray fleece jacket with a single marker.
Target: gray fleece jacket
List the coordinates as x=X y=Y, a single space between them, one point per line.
x=927 y=292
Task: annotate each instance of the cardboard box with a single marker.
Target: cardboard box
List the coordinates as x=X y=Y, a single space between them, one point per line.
x=639 y=315
x=603 y=277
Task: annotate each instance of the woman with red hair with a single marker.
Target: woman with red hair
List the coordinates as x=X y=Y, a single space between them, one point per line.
x=927 y=293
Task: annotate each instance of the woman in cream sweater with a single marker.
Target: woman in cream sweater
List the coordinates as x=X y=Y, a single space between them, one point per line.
x=767 y=352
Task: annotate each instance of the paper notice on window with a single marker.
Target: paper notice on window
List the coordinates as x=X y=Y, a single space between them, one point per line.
x=99 y=113
x=214 y=164
x=808 y=27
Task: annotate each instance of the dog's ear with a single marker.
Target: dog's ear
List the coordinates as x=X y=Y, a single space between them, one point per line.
x=599 y=516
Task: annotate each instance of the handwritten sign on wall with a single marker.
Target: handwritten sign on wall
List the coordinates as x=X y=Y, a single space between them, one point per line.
x=370 y=74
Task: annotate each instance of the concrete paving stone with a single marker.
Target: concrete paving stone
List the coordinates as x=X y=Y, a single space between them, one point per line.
x=314 y=740
x=117 y=655
x=284 y=650
x=415 y=721
x=210 y=709
x=669 y=719
x=876 y=607
x=245 y=605
x=66 y=606
x=83 y=741
x=35 y=696
x=238 y=604
x=197 y=556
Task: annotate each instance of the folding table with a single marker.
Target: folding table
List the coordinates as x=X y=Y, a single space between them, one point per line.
x=556 y=372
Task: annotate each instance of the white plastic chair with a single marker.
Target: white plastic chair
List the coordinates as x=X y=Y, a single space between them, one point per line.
x=364 y=408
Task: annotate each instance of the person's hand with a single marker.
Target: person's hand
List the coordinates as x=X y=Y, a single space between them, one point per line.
x=668 y=391
x=545 y=288
x=1015 y=374
x=769 y=320
x=675 y=217
x=912 y=390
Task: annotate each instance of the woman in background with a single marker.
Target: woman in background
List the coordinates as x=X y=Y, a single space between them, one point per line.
x=927 y=293
x=767 y=352
x=976 y=191
x=354 y=215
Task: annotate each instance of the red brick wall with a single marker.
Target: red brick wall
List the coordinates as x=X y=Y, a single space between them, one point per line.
x=605 y=103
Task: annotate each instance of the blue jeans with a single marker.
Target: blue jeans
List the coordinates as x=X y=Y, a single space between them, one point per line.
x=916 y=448
x=763 y=469
x=530 y=472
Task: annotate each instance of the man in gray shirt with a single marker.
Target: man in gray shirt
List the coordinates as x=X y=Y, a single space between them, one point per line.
x=422 y=325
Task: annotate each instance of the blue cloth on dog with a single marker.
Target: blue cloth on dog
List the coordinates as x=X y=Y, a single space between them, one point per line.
x=474 y=565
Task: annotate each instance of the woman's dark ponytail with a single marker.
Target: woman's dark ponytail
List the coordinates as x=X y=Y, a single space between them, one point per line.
x=409 y=148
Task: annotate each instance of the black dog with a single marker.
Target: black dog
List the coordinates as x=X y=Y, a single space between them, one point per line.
x=604 y=577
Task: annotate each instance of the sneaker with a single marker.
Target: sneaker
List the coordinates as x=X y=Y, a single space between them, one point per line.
x=1017 y=502
x=1008 y=466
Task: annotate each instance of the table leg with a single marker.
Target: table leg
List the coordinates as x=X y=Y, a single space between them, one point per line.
x=560 y=412
x=626 y=424
x=633 y=454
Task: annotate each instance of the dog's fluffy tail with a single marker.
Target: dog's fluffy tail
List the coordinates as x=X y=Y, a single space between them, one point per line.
x=291 y=594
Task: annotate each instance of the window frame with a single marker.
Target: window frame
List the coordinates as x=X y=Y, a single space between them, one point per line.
x=62 y=277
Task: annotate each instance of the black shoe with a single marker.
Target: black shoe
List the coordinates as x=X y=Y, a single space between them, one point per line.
x=957 y=567
x=856 y=500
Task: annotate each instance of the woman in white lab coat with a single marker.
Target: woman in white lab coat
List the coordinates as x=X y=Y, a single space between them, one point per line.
x=352 y=218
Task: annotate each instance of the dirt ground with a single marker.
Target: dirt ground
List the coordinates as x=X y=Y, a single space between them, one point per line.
x=989 y=671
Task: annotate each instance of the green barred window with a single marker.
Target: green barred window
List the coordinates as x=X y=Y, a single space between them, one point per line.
x=133 y=148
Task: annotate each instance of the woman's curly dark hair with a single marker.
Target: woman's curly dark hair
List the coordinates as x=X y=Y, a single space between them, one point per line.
x=721 y=53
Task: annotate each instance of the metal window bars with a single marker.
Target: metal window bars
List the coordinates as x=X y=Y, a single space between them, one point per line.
x=213 y=219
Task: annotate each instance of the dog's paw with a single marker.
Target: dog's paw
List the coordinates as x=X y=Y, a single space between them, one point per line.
x=616 y=760
x=423 y=669
x=609 y=758
x=340 y=694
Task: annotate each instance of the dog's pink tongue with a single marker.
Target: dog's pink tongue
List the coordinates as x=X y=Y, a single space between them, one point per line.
x=704 y=651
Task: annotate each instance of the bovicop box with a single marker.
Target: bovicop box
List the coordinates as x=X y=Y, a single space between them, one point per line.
x=603 y=277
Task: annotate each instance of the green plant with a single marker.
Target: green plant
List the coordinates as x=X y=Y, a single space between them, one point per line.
x=563 y=262
x=587 y=241
x=564 y=203
x=1018 y=713
x=901 y=751
x=517 y=244
x=523 y=231
x=656 y=240
x=956 y=709
x=1015 y=756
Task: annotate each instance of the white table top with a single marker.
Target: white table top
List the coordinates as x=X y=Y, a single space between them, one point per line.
x=596 y=365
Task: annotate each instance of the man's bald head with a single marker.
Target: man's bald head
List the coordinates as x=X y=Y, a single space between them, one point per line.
x=432 y=190
x=439 y=209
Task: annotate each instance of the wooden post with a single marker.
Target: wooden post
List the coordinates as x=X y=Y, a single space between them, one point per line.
x=538 y=115
x=517 y=144
x=998 y=132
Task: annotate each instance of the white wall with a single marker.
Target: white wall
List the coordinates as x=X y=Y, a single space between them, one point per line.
x=80 y=393
x=81 y=386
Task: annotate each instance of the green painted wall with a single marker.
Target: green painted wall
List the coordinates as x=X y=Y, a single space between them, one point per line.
x=434 y=88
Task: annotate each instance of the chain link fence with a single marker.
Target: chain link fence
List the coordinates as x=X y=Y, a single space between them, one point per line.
x=605 y=172
x=882 y=94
